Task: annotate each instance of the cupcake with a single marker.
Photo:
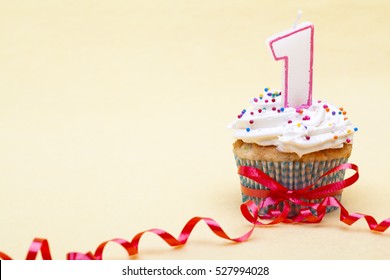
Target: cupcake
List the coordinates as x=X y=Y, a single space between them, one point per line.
x=295 y=147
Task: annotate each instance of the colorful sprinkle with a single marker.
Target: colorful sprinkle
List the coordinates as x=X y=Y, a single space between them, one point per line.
x=335 y=137
x=341 y=109
x=348 y=140
x=273 y=108
x=248 y=129
x=273 y=100
x=266 y=101
x=333 y=113
x=340 y=113
x=239 y=116
x=349 y=131
x=282 y=109
x=251 y=121
x=259 y=110
x=345 y=118
x=327 y=109
x=289 y=121
x=325 y=106
x=266 y=89
x=319 y=101
x=355 y=129
x=252 y=113
x=269 y=94
x=298 y=124
x=306 y=118
x=344 y=112
x=307 y=137
x=255 y=99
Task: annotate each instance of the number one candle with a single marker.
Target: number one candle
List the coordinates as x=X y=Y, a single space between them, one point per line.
x=295 y=47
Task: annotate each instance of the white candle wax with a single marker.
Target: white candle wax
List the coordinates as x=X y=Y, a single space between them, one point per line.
x=295 y=47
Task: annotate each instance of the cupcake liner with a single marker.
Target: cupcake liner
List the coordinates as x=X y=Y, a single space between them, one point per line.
x=293 y=176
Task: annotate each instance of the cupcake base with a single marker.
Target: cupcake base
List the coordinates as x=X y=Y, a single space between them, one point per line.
x=292 y=172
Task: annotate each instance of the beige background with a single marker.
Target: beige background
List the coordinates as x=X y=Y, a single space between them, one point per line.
x=113 y=120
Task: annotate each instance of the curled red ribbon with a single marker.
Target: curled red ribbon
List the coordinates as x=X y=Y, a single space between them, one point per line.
x=42 y=245
x=277 y=193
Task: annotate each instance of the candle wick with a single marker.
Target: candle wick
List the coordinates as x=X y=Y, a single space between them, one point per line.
x=297 y=19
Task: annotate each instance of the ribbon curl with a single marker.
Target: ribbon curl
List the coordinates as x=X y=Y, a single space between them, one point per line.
x=276 y=194
x=42 y=245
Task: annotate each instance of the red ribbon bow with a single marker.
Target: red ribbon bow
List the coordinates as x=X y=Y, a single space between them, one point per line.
x=276 y=193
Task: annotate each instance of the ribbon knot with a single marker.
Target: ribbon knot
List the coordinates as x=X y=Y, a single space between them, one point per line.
x=290 y=195
x=282 y=195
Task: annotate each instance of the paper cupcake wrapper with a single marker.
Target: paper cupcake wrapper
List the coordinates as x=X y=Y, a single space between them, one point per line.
x=293 y=176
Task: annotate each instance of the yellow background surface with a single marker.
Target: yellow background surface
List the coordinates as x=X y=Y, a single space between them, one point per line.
x=113 y=120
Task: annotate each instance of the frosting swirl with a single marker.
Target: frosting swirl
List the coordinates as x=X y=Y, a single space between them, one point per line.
x=301 y=131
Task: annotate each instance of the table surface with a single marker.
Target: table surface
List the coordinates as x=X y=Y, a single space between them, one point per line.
x=114 y=114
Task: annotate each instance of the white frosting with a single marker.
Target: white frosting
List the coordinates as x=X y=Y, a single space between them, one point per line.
x=266 y=122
